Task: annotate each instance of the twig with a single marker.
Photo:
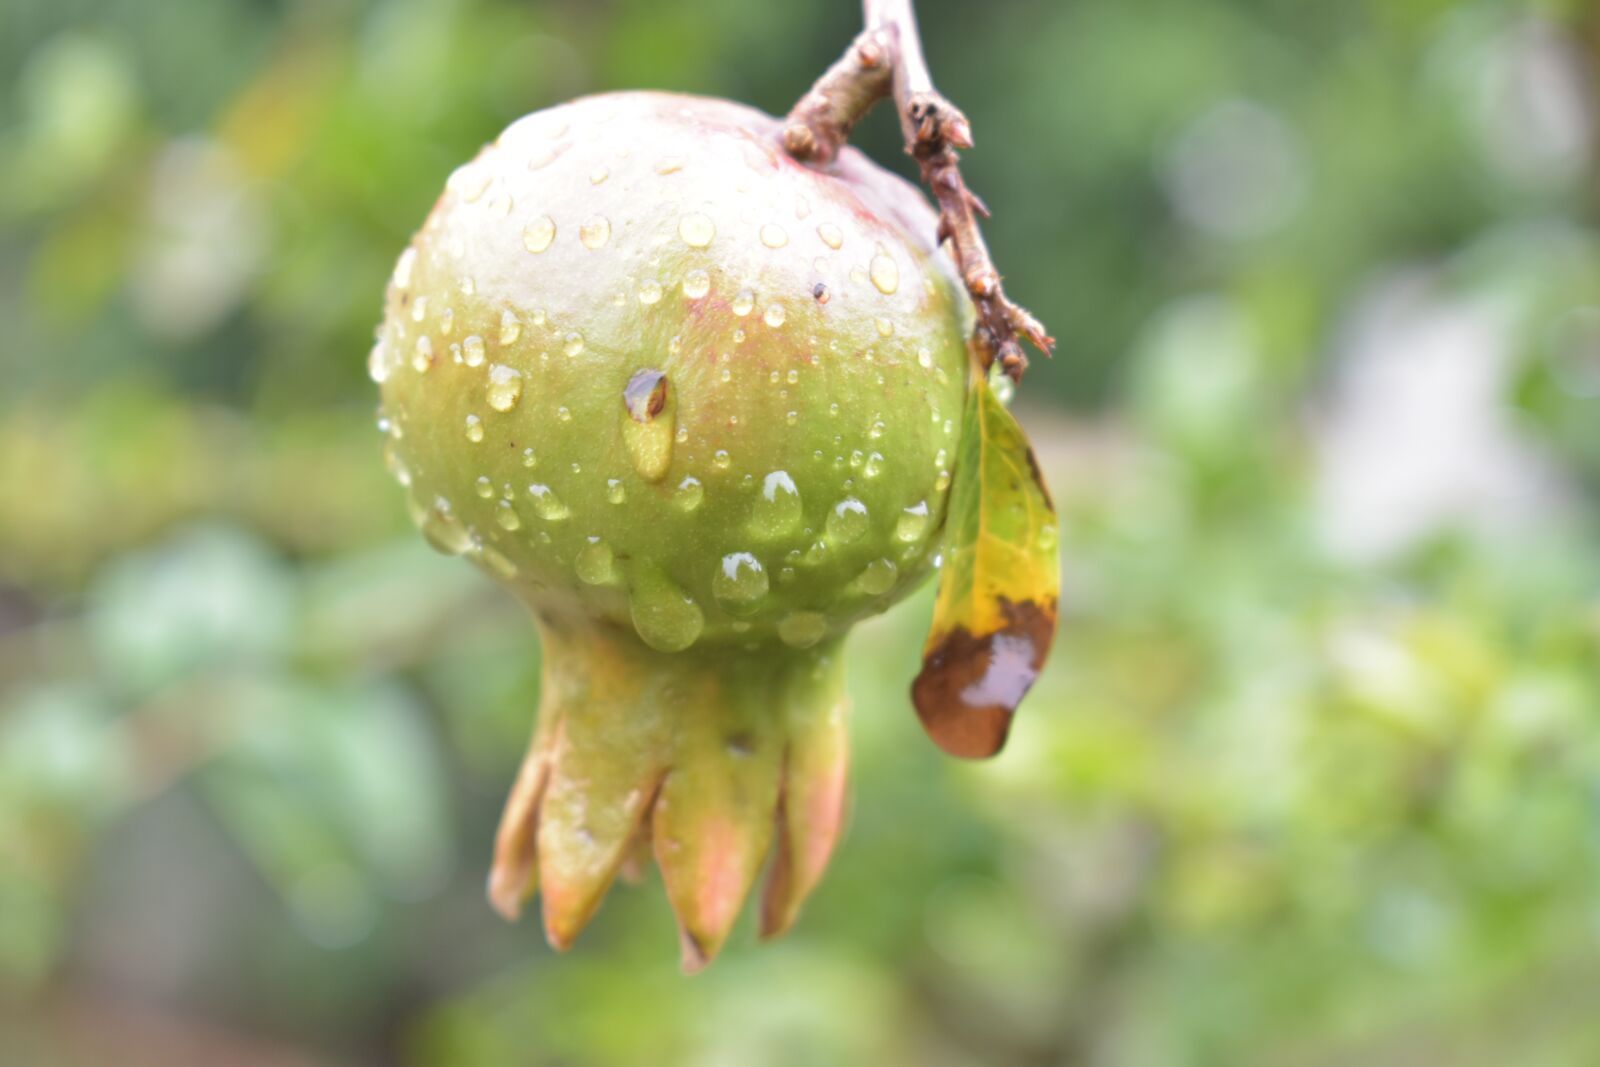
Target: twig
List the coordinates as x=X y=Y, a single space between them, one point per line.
x=886 y=59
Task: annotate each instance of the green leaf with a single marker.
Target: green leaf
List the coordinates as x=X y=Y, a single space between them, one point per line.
x=996 y=610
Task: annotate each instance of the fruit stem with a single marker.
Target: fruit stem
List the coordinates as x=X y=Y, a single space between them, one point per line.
x=886 y=59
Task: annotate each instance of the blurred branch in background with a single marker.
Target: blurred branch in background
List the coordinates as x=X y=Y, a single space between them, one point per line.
x=1311 y=778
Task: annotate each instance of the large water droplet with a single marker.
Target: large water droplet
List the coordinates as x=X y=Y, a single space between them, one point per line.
x=505 y=387
x=802 y=629
x=510 y=327
x=422 y=355
x=648 y=420
x=537 y=235
x=885 y=274
x=774 y=236
x=689 y=494
x=744 y=302
x=847 y=521
x=740 y=583
x=595 y=233
x=912 y=523
x=877 y=579
x=443 y=530
x=547 y=505
x=774 y=315
x=596 y=563
x=664 y=616
x=472 y=351
x=696 y=229
x=777 y=507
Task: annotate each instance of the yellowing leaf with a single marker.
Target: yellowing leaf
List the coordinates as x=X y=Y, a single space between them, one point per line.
x=996 y=610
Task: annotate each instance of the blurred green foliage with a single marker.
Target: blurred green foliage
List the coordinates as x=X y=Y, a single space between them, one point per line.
x=1313 y=778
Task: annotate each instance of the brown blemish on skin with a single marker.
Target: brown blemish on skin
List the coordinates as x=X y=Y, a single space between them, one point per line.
x=970 y=684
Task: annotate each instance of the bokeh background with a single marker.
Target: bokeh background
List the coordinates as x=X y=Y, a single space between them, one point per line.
x=1314 y=775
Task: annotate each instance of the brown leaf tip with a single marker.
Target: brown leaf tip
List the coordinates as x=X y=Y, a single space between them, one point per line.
x=971 y=684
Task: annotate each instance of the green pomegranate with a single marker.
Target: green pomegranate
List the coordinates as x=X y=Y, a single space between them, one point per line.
x=696 y=404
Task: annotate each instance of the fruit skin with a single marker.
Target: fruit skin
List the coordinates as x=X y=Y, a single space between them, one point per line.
x=695 y=403
x=848 y=369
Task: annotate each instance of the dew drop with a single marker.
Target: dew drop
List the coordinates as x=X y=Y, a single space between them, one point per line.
x=378 y=363
x=510 y=327
x=874 y=465
x=664 y=616
x=802 y=629
x=547 y=505
x=740 y=583
x=596 y=563
x=885 y=274
x=572 y=345
x=616 y=492
x=942 y=482
x=669 y=165
x=474 y=429
x=443 y=530
x=505 y=387
x=774 y=236
x=447 y=322
x=484 y=486
x=721 y=459
x=472 y=351
x=649 y=293
x=696 y=229
x=538 y=234
x=529 y=459
x=743 y=303
x=774 y=315
x=847 y=521
x=831 y=235
x=403 y=267
x=689 y=493
x=595 y=233
x=878 y=577
x=419 y=309
x=696 y=283
x=599 y=175
x=924 y=358
x=776 y=511
x=885 y=327
x=422 y=355
x=912 y=523
x=468 y=181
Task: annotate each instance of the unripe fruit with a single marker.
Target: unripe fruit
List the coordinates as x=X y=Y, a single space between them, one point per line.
x=696 y=404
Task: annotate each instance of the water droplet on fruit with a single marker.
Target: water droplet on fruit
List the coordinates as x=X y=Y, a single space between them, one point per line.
x=942 y=482
x=924 y=358
x=547 y=505
x=689 y=494
x=510 y=327
x=1048 y=538
x=774 y=236
x=831 y=235
x=885 y=327
x=913 y=522
x=468 y=181
x=599 y=175
x=505 y=387
x=529 y=459
x=484 y=486
x=378 y=363
x=419 y=309
x=774 y=315
x=506 y=515
x=616 y=492
x=743 y=303
x=696 y=283
x=472 y=351
x=648 y=422
x=776 y=511
x=596 y=563
x=649 y=292
x=595 y=233
x=847 y=521
x=422 y=355
x=874 y=465
x=443 y=530
x=573 y=344
x=696 y=229
x=447 y=322
x=878 y=577
x=537 y=235
x=664 y=616
x=669 y=165
x=721 y=459
x=885 y=274
x=740 y=583
x=474 y=429
x=802 y=629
